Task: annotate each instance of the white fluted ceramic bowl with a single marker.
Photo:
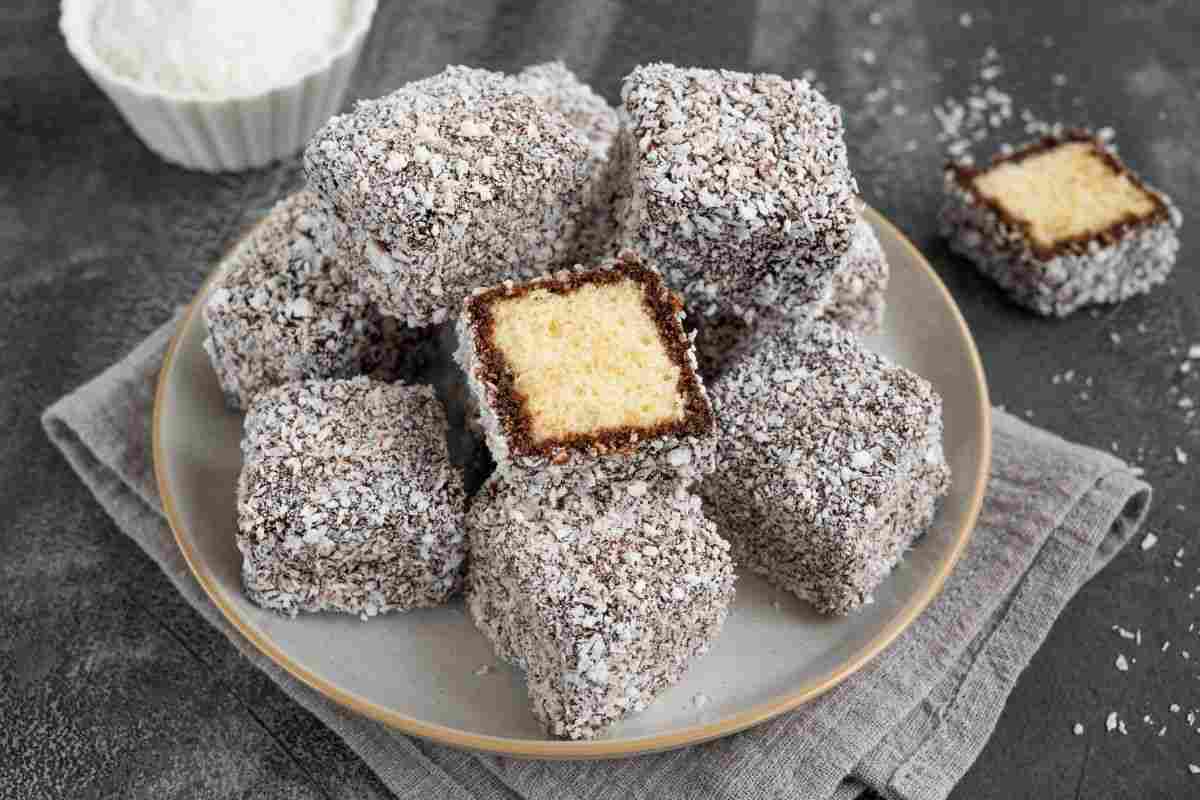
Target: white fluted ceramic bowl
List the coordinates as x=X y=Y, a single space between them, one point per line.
x=223 y=134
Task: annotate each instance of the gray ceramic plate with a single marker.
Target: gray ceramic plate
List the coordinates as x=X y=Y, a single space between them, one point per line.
x=417 y=671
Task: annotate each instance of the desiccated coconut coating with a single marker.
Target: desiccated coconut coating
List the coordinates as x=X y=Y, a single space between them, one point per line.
x=347 y=500
x=830 y=464
x=396 y=351
x=682 y=447
x=452 y=182
x=556 y=88
x=737 y=184
x=602 y=592
x=856 y=299
x=285 y=308
x=1106 y=266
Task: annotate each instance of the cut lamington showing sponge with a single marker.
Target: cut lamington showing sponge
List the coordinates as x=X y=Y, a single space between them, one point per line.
x=588 y=368
x=737 y=185
x=449 y=183
x=347 y=500
x=830 y=464
x=1061 y=223
x=285 y=308
x=601 y=592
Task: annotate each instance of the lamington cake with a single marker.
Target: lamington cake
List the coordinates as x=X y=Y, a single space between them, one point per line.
x=736 y=184
x=830 y=464
x=558 y=89
x=856 y=299
x=1061 y=223
x=587 y=368
x=347 y=500
x=449 y=183
x=285 y=308
x=602 y=592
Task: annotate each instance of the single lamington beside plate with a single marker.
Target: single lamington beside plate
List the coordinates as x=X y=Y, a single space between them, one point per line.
x=588 y=369
x=830 y=464
x=1061 y=223
x=736 y=184
x=602 y=592
x=285 y=308
x=449 y=183
x=347 y=500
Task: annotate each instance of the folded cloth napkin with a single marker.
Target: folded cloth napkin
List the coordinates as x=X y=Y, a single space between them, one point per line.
x=908 y=725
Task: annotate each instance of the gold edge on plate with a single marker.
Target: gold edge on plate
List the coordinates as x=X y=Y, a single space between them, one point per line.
x=602 y=748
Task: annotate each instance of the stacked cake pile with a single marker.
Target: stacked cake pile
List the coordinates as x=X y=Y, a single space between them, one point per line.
x=593 y=566
x=599 y=266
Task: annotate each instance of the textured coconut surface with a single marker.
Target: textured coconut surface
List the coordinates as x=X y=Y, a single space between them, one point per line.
x=114 y=686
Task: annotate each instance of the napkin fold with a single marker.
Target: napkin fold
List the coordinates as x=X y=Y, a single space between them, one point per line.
x=908 y=725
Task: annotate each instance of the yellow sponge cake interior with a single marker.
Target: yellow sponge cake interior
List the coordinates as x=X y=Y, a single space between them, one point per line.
x=587 y=359
x=1066 y=192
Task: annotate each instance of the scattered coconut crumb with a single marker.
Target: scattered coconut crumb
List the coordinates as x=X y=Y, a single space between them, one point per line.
x=1192 y=768
x=1122 y=663
x=1078 y=729
x=1175 y=708
x=1194 y=352
x=483 y=669
x=1165 y=646
x=1180 y=455
x=1110 y=724
x=1149 y=541
x=965 y=19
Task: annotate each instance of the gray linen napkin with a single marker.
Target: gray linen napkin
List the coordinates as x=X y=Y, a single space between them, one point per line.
x=907 y=726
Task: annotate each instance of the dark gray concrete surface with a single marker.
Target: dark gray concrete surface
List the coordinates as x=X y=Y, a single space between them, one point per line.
x=112 y=687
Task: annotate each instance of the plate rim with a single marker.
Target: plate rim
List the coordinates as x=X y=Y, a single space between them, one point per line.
x=552 y=749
